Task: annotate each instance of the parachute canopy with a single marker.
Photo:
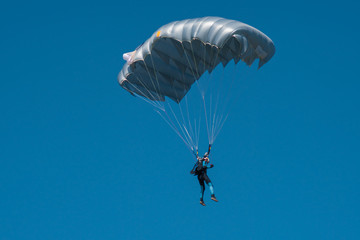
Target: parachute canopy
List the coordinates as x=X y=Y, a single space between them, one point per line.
x=177 y=54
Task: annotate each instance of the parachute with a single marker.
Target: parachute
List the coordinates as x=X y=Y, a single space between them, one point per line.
x=177 y=56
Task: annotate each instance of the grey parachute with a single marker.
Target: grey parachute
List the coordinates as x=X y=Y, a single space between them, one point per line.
x=179 y=53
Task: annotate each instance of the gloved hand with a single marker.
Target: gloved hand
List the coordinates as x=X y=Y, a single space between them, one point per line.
x=211 y=165
x=192 y=172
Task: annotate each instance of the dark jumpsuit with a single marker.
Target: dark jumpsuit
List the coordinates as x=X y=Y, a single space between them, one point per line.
x=200 y=170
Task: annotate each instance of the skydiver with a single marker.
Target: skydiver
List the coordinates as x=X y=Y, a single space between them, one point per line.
x=200 y=170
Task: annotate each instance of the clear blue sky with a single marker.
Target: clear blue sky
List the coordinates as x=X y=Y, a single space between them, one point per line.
x=83 y=159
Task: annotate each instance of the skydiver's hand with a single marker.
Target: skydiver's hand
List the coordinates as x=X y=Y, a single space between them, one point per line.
x=211 y=165
x=192 y=172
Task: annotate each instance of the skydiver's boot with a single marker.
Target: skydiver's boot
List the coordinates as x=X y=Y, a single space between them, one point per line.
x=213 y=198
x=202 y=202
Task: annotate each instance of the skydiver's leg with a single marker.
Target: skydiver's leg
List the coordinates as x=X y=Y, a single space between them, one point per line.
x=209 y=183
x=211 y=188
x=202 y=190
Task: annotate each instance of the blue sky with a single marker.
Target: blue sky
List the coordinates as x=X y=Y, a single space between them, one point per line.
x=83 y=159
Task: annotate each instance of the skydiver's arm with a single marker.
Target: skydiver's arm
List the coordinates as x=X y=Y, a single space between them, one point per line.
x=211 y=166
x=207 y=166
x=193 y=169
